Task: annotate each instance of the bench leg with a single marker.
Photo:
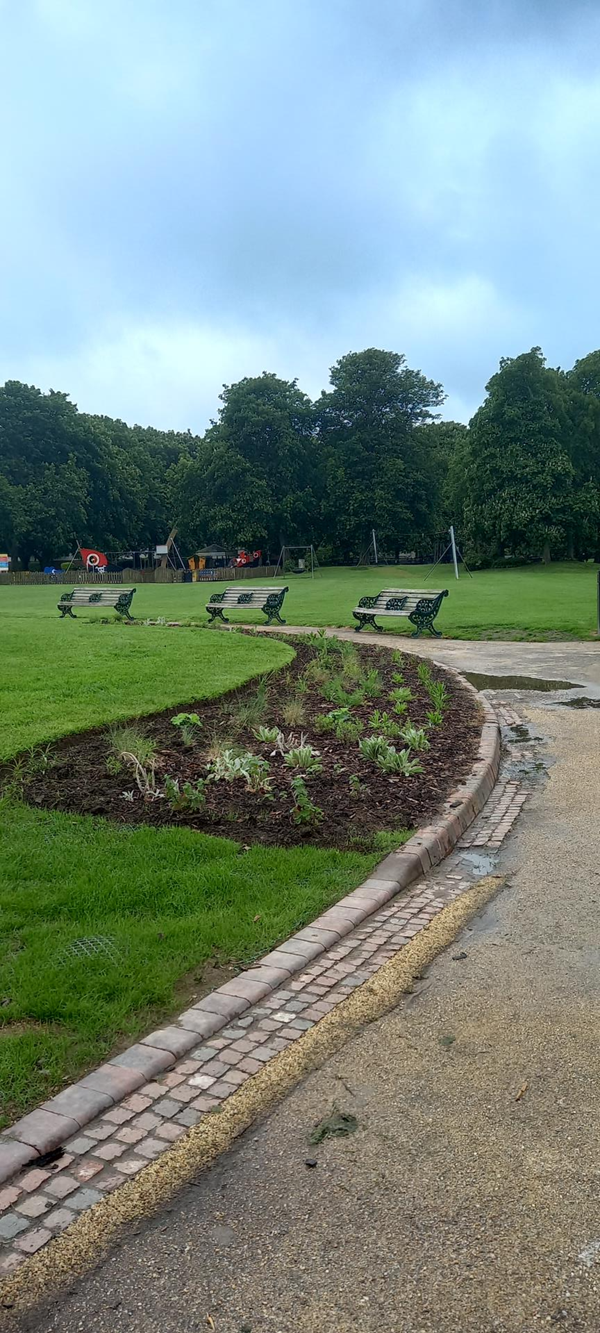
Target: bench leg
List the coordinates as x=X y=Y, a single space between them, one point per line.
x=125 y=614
x=216 y=613
x=274 y=615
x=67 y=611
x=422 y=623
x=366 y=620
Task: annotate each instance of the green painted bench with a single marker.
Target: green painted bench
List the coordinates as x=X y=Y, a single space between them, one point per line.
x=98 y=599
x=418 y=605
x=269 y=600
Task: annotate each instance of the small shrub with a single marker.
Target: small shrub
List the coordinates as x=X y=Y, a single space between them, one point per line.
x=384 y=724
x=415 y=737
x=191 y=797
x=294 y=712
x=232 y=764
x=189 y=726
x=324 y=722
x=349 y=730
x=304 y=757
x=304 y=810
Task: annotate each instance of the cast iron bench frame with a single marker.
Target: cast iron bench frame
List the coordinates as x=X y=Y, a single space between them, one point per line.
x=419 y=606
x=269 y=600
x=119 y=599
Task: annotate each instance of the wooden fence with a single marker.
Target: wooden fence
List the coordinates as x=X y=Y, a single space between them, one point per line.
x=129 y=576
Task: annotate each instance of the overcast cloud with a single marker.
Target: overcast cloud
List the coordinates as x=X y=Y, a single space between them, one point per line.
x=197 y=190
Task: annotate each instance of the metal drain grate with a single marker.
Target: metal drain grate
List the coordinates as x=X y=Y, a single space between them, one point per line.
x=95 y=946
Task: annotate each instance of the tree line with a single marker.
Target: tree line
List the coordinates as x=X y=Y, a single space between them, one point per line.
x=520 y=482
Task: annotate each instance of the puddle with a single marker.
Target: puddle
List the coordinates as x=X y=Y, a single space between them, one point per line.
x=479 y=863
x=482 y=682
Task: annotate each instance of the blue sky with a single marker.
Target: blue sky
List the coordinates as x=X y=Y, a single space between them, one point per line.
x=197 y=190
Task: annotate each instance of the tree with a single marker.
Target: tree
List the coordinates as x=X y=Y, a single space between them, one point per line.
x=519 y=479
x=379 y=464
x=253 y=479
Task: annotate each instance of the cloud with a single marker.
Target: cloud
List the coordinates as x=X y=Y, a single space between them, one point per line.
x=197 y=192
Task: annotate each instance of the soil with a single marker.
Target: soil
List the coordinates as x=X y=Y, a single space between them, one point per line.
x=76 y=777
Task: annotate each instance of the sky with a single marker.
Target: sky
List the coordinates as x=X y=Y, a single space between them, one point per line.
x=198 y=190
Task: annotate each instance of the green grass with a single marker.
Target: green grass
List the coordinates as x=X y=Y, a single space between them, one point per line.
x=167 y=900
x=535 y=602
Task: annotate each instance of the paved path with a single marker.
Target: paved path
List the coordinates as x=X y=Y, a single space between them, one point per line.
x=468 y=1197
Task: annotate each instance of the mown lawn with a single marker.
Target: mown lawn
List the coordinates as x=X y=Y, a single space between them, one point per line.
x=535 y=602
x=166 y=903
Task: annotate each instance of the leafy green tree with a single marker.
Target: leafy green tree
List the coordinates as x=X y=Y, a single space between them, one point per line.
x=379 y=464
x=254 y=478
x=519 y=478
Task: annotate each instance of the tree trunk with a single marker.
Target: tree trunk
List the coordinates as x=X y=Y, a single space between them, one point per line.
x=546 y=557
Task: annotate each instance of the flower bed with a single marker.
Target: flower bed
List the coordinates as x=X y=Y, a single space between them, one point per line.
x=348 y=742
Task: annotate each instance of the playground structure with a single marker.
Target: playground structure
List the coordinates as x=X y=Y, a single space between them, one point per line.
x=302 y=562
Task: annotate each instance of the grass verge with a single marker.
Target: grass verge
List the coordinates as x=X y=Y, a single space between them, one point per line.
x=159 y=905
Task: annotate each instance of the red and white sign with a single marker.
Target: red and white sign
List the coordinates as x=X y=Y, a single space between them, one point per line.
x=93 y=559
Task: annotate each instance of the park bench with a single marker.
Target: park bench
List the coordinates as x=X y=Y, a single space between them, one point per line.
x=98 y=598
x=269 y=600
x=419 y=606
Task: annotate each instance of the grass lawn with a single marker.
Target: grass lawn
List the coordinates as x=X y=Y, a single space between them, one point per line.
x=174 y=905
x=535 y=602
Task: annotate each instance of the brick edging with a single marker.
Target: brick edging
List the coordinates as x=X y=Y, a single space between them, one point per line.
x=62 y=1116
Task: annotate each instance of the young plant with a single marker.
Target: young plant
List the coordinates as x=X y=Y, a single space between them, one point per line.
x=435 y=717
x=192 y=796
x=398 y=677
x=268 y=735
x=189 y=726
x=349 y=730
x=374 y=748
x=113 y=765
x=335 y=692
x=401 y=695
x=249 y=713
x=399 y=761
x=371 y=684
x=40 y=759
x=304 y=757
x=232 y=765
x=304 y=811
x=415 y=737
x=397 y=659
x=294 y=712
x=384 y=724
x=355 y=785
x=130 y=741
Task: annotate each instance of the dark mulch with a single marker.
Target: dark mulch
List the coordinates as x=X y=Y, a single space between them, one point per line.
x=78 y=779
